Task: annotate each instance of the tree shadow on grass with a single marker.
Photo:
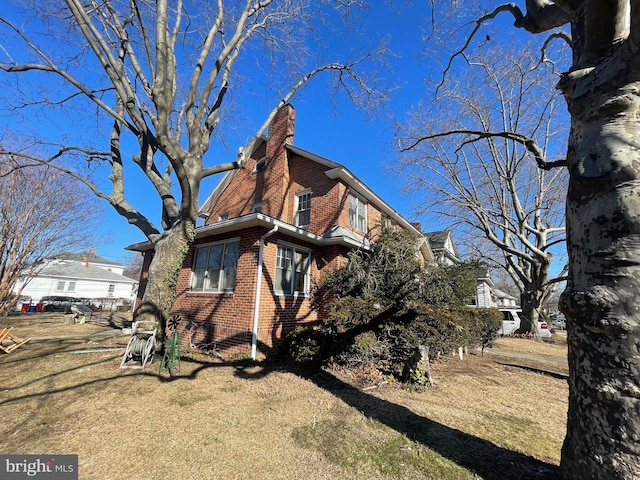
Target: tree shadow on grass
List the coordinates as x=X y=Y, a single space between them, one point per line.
x=489 y=461
x=548 y=373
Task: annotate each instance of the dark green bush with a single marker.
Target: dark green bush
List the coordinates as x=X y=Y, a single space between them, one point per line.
x=306 y=345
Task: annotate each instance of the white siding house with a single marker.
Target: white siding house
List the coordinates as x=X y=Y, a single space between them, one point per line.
x=80 y=276
x=443 y=247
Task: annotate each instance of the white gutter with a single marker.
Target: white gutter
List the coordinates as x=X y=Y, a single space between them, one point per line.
x=256 y=306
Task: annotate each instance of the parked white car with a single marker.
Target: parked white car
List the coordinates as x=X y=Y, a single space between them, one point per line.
x=511 y=323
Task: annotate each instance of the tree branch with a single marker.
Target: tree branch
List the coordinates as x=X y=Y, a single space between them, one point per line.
x=527 y=142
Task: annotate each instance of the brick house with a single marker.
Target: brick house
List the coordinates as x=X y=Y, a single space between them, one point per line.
x=270 y=231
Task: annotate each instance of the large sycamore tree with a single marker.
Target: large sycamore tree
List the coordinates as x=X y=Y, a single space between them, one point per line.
x=138 y=91
x=471 y=156
x=602 y=297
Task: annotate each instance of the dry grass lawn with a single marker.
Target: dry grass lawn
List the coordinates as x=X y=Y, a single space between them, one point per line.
x=495 y=416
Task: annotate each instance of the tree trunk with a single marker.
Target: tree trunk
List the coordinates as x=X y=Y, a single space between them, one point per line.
x=530 y=302
x=602 y=298
x=160 y=291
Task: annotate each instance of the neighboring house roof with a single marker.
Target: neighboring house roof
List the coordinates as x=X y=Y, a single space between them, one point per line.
x=442 y=242
x=501 y=294
x=85 y=256
x=79 y=270
x=437 y=239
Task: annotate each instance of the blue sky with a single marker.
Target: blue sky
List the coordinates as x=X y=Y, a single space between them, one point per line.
x=328 y=126
x=336 y=129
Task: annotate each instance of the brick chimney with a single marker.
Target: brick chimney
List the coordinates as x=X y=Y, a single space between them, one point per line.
x=281 y=129
x=417 y=226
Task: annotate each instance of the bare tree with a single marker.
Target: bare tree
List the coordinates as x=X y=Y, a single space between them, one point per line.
x=602 y=298
x=471 y=156
x=42 y=213
x=156 y=78
x=133 y=266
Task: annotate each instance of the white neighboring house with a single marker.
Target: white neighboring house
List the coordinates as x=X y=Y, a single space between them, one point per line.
x=484 y=291
x=503 y=299
x=446 y=253
x=83 y=276
x=443 y=247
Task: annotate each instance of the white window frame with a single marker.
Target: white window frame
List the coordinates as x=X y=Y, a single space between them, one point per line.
x=202 y=276
x=357 y=212
x=302 y=206
x=60 y=285
x=296 y=257
x=111 y=290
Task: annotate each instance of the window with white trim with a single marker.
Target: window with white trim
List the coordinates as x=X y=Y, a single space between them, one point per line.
x=66 y=286
x=292 y=270
x=302 y=217
x=357 y=212
x=112 y=288
x=215 y=267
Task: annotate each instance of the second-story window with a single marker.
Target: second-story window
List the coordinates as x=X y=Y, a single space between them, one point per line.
x=357 y=212
x=302 y=216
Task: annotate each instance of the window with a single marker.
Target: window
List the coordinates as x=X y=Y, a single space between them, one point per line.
x=215 y=267
x=357 y=212
x=260 y=164
x=292 y=270
x=112 y=288
x=388 y=222
x=302 y=217
x=70 y=287
x=256 y=208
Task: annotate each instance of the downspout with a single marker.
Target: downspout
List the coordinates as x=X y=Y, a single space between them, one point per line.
x=256 y=306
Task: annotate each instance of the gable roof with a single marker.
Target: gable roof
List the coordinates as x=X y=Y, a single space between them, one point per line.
x=79 y=270
x=84 y=256
x=438 y=241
